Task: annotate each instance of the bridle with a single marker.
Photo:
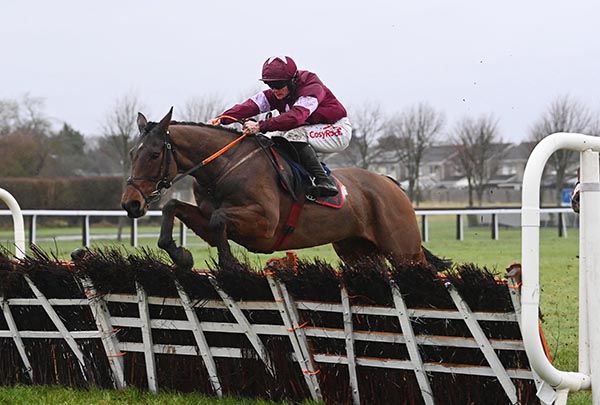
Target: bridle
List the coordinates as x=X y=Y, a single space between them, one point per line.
x=162 y=179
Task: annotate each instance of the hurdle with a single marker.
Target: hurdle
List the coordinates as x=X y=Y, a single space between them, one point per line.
x=557 y=384
x=341 y=342
x=354 y=335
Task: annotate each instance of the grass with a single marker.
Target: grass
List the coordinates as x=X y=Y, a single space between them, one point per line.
x=559 y=282
x=43 y=395
x=49 y=239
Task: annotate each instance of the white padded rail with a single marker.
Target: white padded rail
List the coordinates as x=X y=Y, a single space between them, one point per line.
x=530 y=240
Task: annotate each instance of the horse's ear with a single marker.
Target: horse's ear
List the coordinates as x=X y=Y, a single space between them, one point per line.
x=164 y=123
x=141 y=122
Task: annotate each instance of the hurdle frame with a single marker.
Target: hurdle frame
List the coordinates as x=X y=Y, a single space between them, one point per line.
x=307 y=360
x=106 y=325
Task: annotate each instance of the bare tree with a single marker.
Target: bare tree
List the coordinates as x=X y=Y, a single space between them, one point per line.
x=563 y=115
x=31 y=117
x=594 y=127
x=409 y=135
x=25 y=114
x=368 y=122
x=202 y=109
x=25 y=131
x=23 y=153
x=9 y=116
x=120 y=129
x=479 y=152
x=119 y=133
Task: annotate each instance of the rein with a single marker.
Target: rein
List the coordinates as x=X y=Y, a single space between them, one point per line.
x=214 y=155
x=164 y=183
x=208 y=159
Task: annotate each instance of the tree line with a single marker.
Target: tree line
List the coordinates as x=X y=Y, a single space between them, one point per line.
x=31 y=147
x=477 y=141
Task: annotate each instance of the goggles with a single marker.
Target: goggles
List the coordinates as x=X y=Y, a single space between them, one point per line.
x=278 y=84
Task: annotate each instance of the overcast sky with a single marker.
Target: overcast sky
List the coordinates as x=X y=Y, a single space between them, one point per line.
x=465 y=58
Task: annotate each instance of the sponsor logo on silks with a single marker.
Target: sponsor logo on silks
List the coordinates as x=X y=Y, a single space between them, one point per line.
x=327 y=132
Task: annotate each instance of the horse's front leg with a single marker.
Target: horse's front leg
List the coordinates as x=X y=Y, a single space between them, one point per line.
x=193 y=218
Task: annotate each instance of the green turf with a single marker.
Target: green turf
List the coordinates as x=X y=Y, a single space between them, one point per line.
x=558 y=272
x=42 y=395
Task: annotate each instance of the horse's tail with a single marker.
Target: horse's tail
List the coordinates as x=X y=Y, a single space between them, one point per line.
x=439 y=263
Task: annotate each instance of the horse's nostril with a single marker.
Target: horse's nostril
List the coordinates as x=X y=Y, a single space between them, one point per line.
x=132 y=206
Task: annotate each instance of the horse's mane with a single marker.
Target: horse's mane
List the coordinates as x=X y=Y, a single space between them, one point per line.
x=201 y=124
x=150 y=125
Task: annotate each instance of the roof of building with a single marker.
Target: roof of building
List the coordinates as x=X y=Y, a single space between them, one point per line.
x=520 y=151
x=439 y=153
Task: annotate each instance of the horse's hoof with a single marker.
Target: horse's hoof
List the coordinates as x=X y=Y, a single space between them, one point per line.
x=78 y=254
x=183 y=259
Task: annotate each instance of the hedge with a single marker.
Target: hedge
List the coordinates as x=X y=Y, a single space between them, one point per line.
x=66 y=193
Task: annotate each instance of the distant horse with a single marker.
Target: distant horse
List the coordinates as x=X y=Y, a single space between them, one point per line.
x=239 y=198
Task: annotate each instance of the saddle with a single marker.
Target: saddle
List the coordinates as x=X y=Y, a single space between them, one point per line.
x=293 y=177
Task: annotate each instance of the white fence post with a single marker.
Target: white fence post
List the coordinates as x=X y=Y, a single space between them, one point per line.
x=350 y=356
x=411 y=344
x=134 y=232
x=18 y=223
x=203 y=347
x=589 y=262
x=147 y=337
x=494 y=225
x=107 y=333
x=589 y=268
x=484 y=344
x=424 y=228
x=33 y=229
x=460 y=233
x=66 y=334
x=85 y=231
x=16 y=335
x=246 y=325
x=289 y=315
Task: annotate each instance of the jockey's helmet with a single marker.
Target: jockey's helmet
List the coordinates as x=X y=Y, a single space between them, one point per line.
x=278 y=68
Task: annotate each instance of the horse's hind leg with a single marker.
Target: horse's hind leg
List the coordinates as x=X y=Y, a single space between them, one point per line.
x=218 y=227
x=353 y=250
x=400 y=245
x=192 y=217
x=248 y=223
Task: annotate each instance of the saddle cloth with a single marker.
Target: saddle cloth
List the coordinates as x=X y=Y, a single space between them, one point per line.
x=297 y=180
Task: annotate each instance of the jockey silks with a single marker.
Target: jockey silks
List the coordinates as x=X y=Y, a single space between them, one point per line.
x=310 y=103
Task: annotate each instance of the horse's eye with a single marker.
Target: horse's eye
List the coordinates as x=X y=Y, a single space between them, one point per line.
x=154 y=155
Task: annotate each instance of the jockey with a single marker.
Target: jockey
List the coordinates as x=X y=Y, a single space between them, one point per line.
x=310 y=117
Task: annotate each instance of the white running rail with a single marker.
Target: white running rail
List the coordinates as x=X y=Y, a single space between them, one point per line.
x=18 y=223
x=589 y=266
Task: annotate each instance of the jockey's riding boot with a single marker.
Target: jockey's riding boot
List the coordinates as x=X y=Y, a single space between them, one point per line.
x=324 y=185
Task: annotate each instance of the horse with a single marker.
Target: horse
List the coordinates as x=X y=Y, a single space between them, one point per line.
x=238 y=198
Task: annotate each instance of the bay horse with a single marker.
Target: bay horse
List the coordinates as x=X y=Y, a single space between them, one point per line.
x=238 y=198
